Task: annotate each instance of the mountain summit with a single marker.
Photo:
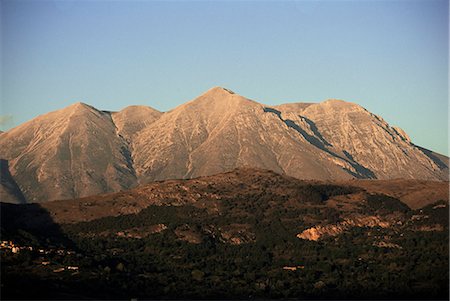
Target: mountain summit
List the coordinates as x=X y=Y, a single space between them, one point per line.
x=80 y=151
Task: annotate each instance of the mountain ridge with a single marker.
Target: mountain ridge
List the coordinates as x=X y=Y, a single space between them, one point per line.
x=237 y=182
x=80 y=150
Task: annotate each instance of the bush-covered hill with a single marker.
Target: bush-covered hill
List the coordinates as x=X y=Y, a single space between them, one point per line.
x=232 y=235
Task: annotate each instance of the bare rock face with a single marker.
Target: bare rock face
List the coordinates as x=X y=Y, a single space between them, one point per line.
x=132 y=119
x=220 y=131
x=317 y=232
x=367 y=139
x=80 y=151
x=9 y=190
x=68 y=153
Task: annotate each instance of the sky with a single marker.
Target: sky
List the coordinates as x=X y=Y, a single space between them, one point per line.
x=391 y=57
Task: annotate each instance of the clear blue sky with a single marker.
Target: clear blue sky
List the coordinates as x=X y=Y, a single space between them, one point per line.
x=389 y=56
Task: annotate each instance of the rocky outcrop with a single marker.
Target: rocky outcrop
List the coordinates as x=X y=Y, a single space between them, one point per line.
x=237 y=234
x=317 y=232
x=141 y=232
x=389 y=245
x=133 y=119
x=186 y=233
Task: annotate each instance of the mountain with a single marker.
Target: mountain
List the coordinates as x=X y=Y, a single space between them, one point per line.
x=352 y=132
x=68 y=153
x=133 y=119
x=80 y=151
x=9 y=190
x=221 y=130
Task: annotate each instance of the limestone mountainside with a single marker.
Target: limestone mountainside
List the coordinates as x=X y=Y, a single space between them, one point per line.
x=9 y=190
x=334 y=139
x=68 y=153
x=132 y=119
x=80 y=151
x=219 y=131
x=352 y=131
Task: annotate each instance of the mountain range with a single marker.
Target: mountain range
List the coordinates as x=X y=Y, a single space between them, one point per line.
x=81 y=151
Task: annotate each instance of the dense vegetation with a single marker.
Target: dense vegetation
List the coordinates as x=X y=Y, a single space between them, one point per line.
x=381 y=202
x=166 y=264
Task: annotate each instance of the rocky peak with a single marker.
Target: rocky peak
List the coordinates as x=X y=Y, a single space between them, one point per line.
x=78 y=110
x=340 y=105
x=79 y=106
x=132 y=119
x=138 y=109
x=220 y=95
x=218 y=90
x=402 y=134
x=216 y=101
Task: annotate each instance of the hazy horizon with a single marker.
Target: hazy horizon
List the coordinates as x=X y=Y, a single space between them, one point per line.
x=390 y=57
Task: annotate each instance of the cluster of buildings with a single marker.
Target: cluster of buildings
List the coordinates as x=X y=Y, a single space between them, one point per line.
x=9 y=245
x=14 y=248
x=293 y=268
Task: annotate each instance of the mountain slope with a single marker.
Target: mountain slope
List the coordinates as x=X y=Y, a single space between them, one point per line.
x=368 y=139
x=68 y=153
x=9 y=190
x=219 y=131
x=132 y=119
x=80 y=151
